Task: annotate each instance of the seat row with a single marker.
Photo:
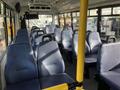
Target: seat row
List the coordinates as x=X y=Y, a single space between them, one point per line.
x=23 y=71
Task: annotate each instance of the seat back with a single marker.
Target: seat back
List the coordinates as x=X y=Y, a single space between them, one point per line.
x=20 y=65
x=109 y=57
x=50 y=29
x=67 y=35
x=50 y=61
x=58 y=34
x=94 y=41
x=75 y=44
x=22 y=32
x=22 y=39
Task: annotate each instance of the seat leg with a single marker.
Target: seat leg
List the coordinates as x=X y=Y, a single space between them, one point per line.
x=87 y=71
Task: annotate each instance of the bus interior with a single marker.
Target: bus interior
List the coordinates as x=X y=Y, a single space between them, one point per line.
x=59 y=45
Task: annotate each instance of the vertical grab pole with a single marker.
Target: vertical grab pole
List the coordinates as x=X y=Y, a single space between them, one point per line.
x=81 y=41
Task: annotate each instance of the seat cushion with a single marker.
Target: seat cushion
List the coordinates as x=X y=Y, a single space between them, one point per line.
x=28 y=85
x=112 y=78
x=92 y=58
x=55 y=80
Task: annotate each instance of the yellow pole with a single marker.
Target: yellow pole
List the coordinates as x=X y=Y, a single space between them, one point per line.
x=81 y=41
x=58 y=87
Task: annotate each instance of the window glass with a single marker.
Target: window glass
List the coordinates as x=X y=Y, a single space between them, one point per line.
x=1 y=8
x=78 y=14
x=65 y=14
x=106 y=11
x=88 y=12
x=2 y=37
x=56 y=20
x=74 y=14
x=93 y=12
x=92 y=24
x=68 y=19
x=41 y=22
x=110 y=28
x=61 y=20
x=116 y=10
x=75 y=21
x=8 y=29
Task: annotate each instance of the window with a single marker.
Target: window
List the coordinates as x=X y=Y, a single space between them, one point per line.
x=56 y=20
x=78 y=14
x=92 y=23
x=106 y=11
x=2 y=37
x=9 y=30
x=93 y=12
x=110 y=26
x=41 y=22
x=88 y=13
x=1 y=8
x=65 y=14
x=75 y=20
x=74 y=14
x=68 y=19
x=116 y=10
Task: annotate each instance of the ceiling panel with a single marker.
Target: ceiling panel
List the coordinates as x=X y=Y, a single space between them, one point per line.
x=63 y=5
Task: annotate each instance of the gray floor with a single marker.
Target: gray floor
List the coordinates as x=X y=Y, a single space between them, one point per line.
x=89 y=84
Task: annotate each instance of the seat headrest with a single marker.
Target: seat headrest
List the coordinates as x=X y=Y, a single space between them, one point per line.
x=50 y=29
x=48 y=37
x=58 y=34
x=94 y=41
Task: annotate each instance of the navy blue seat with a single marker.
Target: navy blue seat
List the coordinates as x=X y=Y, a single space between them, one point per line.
x=28 y=85
x=22 y=32
x=20 y=64
x=109 y=63
x=22 y=39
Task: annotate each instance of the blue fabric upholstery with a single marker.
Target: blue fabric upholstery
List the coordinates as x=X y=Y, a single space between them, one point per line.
x=27 y=85
x=50 y=29
x=55 y=80
x=58 y=35
x=75 y=44
x=22 y=39
x=22 y=32
x=112 y=79
x=50 y=61
x=109 y=62
x=20 y=64
x=67 y=35
x=94 y=41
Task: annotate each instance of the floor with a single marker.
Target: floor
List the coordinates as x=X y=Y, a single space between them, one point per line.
x=89 y=84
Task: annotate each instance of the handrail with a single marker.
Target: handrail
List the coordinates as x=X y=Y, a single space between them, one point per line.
x=81 y=41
